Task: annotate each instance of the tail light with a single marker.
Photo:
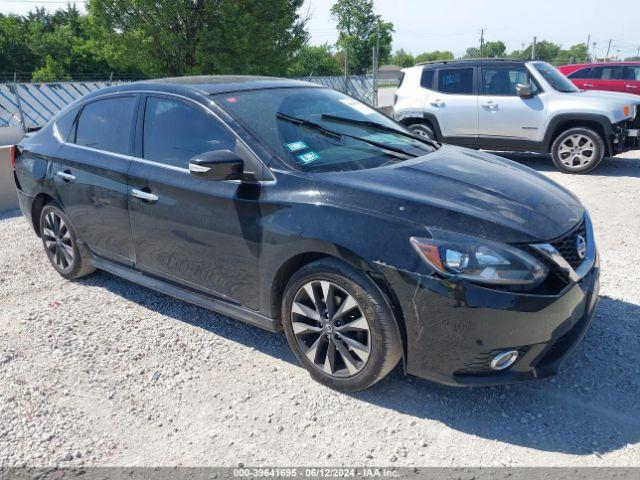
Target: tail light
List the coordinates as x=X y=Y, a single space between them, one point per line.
x=13 y=153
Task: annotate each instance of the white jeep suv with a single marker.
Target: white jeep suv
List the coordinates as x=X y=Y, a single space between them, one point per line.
x=512 y=105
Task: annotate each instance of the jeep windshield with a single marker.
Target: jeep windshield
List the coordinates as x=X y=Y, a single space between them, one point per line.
x=320 y=130
x=556 y=79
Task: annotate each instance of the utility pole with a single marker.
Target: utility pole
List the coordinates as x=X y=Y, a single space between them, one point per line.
x=481 y=41
x=588 y=43
x=595 y=55
x=606 y=58
x=376 y=60
x=533 y=48
x=638 y=53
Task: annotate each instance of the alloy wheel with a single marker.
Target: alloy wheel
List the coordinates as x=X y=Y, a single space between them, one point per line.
x=577 y=151
x=57 y=240
x=331 y=328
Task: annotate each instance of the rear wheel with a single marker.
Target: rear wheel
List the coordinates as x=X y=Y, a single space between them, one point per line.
x=339 y=326
x=422 y=130
x=578 y=150
x=67 y=256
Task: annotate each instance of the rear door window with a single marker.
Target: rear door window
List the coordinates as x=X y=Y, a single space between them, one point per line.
x=607 y=73
x=456 y=81
x=175 y=132
x=106 y=125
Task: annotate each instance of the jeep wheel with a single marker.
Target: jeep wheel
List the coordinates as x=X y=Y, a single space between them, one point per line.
x=577 y=150
x=422 y=130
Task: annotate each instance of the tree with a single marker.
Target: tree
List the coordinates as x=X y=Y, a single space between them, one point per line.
x=545 y=51
x=403 y=59
x=494 y=49
x=358 y=26
x=315 y=60
x=434 y=56
x=575 y=54
x=254 y=37
x=51 y=71
x=180 y=37
x=472 y=52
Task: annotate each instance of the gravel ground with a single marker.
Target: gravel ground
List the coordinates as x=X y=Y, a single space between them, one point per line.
x=103 y=372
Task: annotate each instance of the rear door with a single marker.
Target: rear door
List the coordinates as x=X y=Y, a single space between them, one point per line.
x=607 y=77
x=90 y=175
x=455 y=104
x=580 y=78
x=503 y=115
x=198 y=233
x=632 y=79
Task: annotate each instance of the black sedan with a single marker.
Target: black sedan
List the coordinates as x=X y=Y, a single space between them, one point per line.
x=288 y=205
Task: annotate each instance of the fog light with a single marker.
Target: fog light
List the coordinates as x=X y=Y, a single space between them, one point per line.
x=504 y=360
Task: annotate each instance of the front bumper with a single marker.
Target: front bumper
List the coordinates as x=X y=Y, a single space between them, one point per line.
x=453 y=330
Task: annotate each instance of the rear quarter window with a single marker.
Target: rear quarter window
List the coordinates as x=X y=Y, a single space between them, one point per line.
x=426 y=80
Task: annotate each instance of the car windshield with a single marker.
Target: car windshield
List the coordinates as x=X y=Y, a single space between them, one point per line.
x=319 y=130
x=556 y=79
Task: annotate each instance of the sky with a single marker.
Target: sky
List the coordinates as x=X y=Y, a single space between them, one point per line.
x=425 y=25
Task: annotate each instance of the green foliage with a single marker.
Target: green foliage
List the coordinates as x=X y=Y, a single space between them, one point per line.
x=494 y=49
x=357 y=26
x=315 y=60
x=472 y=52
x=434 y=56
x=51 y=71
x=403 y=59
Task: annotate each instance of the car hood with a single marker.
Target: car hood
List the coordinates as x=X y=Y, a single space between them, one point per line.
x=618 y=97
x=460 y=190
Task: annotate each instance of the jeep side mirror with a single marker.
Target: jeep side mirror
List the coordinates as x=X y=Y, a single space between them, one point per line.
x=217 y=165
x=524 y=90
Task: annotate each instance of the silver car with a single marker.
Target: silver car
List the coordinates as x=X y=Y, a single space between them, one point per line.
x=512 y=105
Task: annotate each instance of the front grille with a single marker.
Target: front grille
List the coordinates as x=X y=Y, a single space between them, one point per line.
x=568 y=245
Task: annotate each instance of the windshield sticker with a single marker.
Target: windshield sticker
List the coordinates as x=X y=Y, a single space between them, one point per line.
x=295 y=146
x=308 y=157
x=389 y=138
x=356 y=105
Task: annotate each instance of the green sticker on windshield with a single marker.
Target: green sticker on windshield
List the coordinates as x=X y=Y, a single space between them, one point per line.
x=308 y=157
x=295 y=146
x=389 y=138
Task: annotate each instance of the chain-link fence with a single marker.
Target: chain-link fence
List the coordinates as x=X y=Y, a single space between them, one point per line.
x=33 y=104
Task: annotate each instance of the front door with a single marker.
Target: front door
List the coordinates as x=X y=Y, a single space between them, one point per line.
x=503 y=115
x=90 y=175
x=198 y=233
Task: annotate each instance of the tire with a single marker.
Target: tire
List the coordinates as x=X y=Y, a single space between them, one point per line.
x=578 y=150
x=361 y=318
x=422 y=130
x=67 y=256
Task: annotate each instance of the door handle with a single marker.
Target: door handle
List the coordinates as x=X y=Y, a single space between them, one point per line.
x=437 y=103
x=490 y=106
x=145 y=196
x=631 y=86
x=66 y=177
x=588 y=84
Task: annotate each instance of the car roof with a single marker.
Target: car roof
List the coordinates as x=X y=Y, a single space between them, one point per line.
x=601 y=64
x=472 y=62
x=205 y=85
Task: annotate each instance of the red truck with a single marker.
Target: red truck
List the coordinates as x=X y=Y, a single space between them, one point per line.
x=611 y=76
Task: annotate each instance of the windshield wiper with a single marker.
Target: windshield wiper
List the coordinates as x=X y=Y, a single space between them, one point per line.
x=380 y=126
x=338 y=135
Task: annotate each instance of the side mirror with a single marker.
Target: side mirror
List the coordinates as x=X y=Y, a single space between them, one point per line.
x=524 y=90
x=217 y=165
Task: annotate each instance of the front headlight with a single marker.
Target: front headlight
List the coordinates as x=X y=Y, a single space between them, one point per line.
x=479 y=260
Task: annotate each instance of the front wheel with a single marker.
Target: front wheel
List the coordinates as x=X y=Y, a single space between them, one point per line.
x=578 y=150
x=339 y=326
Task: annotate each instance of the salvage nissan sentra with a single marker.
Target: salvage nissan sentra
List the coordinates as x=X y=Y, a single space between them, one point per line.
x=295 y=207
